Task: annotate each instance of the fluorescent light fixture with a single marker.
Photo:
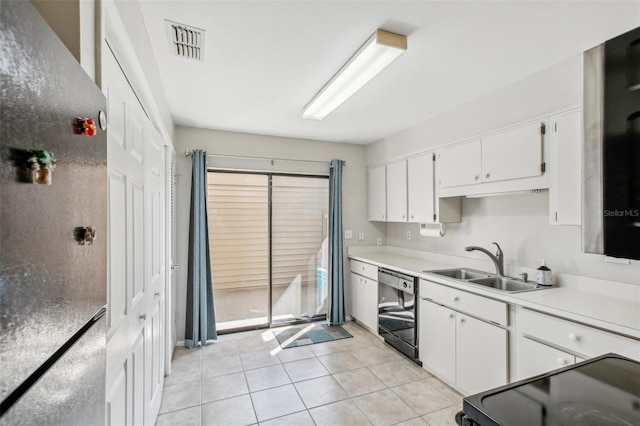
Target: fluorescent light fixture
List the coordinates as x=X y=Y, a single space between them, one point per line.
x=378 y=52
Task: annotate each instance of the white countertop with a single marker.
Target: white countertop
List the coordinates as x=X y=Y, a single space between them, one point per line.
x=606 y=312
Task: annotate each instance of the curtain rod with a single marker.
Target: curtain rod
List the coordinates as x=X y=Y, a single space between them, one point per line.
x=188 y=153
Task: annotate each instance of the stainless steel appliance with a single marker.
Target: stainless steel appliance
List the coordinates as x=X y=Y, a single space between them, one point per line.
x=611 y=157
x=397 y=312
x=53 y=258
x=601 y=391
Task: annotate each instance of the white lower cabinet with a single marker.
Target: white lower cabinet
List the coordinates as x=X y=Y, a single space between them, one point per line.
x=536 y=358
x=364 y=295
x=460 y=349
x=545 y=342
x=437 y=339
x=481 y=354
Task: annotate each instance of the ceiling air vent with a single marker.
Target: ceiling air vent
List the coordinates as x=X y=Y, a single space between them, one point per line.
x=185 y=41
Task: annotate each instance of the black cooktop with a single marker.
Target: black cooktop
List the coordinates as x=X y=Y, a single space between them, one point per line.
x=601 y=391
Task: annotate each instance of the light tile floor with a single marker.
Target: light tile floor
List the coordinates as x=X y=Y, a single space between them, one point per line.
x=246 y=379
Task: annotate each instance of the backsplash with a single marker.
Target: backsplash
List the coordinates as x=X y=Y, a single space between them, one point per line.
x=520 y=224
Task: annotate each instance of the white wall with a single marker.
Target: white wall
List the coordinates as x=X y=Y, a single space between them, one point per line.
x=519 y=223
x=354 y=184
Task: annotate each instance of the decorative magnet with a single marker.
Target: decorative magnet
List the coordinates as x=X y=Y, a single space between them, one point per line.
x=40 y=166
x=85 y=235
x=102 y=120
x=85 y=126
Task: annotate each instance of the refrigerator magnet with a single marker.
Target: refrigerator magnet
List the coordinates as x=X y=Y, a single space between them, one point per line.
x=85 y=126
x=40 y=167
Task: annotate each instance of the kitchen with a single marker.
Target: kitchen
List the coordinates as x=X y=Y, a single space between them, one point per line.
x=479 y=100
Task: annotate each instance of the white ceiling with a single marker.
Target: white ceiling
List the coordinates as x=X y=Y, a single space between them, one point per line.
x=264 y=60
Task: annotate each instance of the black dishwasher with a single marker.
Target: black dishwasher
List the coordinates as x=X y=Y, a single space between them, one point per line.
x=397 y=312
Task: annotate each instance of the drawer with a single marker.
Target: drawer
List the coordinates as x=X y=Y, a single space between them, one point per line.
x=575 y=337
x=364 y=269
x=533 y=358
x=478 y=306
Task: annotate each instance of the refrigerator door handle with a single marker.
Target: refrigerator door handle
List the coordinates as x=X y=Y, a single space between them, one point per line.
x=14 y=396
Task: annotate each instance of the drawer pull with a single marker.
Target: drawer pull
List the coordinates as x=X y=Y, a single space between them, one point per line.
x=562 y=361
x=573 y=337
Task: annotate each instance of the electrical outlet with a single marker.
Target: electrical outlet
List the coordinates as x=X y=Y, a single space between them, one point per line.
x=379 y=241
x=348 y=234
x=408 y=235
x=361 y=236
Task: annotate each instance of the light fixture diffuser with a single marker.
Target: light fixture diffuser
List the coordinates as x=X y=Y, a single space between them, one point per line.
x=378 y=52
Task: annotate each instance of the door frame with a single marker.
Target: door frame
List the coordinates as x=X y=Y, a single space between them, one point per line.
x=113 y=31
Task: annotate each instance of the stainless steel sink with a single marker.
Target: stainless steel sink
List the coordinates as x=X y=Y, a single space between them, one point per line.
x=462 y=273
x=488 y=280
x=505 y=284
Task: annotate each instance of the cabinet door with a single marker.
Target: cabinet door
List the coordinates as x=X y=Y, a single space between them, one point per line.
x=481 y=355
x=377 y=193
x=397 y=192
x=356 y=282
x=420 y=189
x=533 y=358
x=370 y=304
x=437 y=341
x=459 y=165
x=513 y=154
x=565 y=170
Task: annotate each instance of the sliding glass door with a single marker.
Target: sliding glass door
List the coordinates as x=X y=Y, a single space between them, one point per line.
x=238 y=213
x=268 y=238
x=299 y=221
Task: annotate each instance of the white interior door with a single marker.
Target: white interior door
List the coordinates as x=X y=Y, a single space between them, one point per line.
x=136 y=263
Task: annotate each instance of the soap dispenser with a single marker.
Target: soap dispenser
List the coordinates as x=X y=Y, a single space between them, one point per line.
x=543 y=274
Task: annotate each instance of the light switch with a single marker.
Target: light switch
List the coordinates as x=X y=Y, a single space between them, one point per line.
x=348 y=234
x=361 y=236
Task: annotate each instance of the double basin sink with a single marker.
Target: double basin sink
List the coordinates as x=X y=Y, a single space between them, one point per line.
x=487 y=280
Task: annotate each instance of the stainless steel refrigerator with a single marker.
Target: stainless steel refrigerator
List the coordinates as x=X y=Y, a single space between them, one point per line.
x=53 y=203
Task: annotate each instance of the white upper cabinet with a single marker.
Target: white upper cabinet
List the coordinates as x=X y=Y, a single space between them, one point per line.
x=508 y=160
x=565 y=171
x=377 y=193
x=460 y=164
x=397 y=192
x=421 y=188
x=513 y=154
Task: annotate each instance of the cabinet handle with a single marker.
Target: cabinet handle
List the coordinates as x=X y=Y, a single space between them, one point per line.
x=451 y=315
x=461 y=320
x=143 y=316
x=573 y=337
x=476 y=177
x=456 y=299
x=383 y=216
x=412 y=216
x=403 y=216
x=562 y=361
x=157 y=293
x=487 y=175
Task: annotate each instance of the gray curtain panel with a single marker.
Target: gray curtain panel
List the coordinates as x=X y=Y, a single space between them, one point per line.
x=336 y=264
x=201 y=324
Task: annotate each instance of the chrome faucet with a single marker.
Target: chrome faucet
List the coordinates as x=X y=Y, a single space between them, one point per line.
x=498 y=259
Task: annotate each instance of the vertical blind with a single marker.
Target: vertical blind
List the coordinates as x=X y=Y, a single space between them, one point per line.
x=239 y=229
